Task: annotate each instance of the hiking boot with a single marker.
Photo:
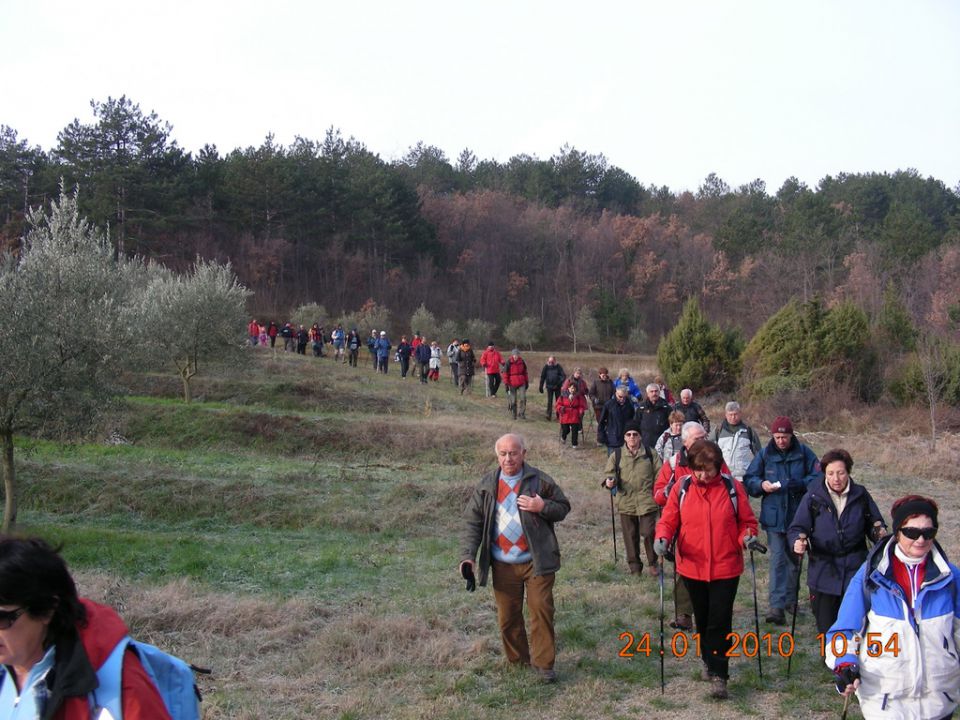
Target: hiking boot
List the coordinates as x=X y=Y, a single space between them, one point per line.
x=776 y=617
x=682 y=622
x=546 y=675
x=718 y=688
x=652 y=571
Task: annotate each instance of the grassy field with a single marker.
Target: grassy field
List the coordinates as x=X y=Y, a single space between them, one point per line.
x=295 y=530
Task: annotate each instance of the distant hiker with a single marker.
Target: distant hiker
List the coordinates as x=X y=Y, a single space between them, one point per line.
x=490 y=361
x=353 y=346
x=601 y=390
x=691 y=410
x=576 y=381
x=452 y=349
x=654 y=414
x=316 y=340
x=338 y=339
x=273 y=331
x=664 y=390
x=781 y=474
x=895 y=640
x=509 y=529
x=466 y=362
x=253 y=330
x=383 y=352
x=834 y=521
x=53 y=643
x=552 y=377
x=613 y=419
x=416 y=342
x=739 y=441
x=403 y=355
x=264 y=338
x=288 y=334
x=669 y=443
x=629 y=474
x=570 y=409
x=711 y=531
x=302 y=339
x=372 y=347
x=517 y=380
x=422 y=354
x=435 y=355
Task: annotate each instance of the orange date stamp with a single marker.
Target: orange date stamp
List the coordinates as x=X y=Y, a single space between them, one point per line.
x=679 y=645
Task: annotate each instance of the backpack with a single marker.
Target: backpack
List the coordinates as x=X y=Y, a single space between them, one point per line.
x=731 y=492
x=617 y=455
x=172 y=677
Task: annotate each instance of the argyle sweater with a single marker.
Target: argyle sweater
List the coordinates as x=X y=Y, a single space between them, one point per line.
x=509 y=542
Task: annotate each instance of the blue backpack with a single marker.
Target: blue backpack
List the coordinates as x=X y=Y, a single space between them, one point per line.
x=172 y=677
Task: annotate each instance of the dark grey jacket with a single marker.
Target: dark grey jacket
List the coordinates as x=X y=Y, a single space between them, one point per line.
x=481 y=512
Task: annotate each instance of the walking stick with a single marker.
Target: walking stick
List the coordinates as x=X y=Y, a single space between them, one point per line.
x=613 y=527
x=756 y=610
x=846 y=704
x=793 y=623
x=660 y=580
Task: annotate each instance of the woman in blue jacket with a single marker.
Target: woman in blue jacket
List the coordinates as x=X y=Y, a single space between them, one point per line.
x=895 y=641
x=833 y=523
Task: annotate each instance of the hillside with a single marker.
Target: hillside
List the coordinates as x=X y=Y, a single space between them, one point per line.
x=295 y=530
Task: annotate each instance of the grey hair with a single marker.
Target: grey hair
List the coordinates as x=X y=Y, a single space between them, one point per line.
x=686 y=390
x=732 y=406
x=623 y=371
x=689 y=427
x=515 y=436
x=653 y=386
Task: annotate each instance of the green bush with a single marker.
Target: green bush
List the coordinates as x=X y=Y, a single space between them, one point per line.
x=802 y=340
x=907 y=386
x=698 y=355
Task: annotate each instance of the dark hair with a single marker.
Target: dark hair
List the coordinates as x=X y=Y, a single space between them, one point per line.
x=705 y=455
x=911 y=506
x=34 y=576
x=835 y=455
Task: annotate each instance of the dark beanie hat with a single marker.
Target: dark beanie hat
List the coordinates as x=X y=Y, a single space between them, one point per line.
x=631 y=426
x=914 y=507
x=782 y=425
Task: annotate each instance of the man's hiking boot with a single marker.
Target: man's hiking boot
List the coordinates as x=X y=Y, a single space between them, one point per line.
x=776 y=617
x=718 y=688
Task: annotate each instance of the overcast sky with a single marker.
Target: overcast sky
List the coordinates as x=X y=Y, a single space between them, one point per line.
x=668 y=90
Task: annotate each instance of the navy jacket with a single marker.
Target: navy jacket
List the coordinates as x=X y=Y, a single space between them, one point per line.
x=613 y=420
x=654 y=419
x=795 y=469
x=837 y=546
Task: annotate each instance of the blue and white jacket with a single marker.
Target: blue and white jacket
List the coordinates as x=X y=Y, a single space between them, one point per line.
x=908 y=656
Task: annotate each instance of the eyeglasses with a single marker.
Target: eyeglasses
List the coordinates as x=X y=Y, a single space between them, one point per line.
x=915 y=533
x=631 y=433
x=9 y=617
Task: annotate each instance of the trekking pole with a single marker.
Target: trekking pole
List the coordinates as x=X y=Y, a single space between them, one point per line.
x=793 y=623
x=846 y=704
x=756 y=610
x=613 y=527
x=660 y=580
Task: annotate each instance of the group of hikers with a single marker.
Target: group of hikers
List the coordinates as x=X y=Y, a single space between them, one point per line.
x=884 y=597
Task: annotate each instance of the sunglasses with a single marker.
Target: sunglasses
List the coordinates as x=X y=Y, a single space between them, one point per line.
x=9 y=617
x=915 y=533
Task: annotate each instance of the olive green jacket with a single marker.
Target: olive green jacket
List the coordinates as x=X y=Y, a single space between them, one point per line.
x=637 y=473
x=481 y=512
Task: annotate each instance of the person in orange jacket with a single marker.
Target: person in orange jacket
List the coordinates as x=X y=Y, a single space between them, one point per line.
x=570 y=408
x=490 y=361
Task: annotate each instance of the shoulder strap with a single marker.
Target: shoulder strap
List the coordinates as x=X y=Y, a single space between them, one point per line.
x=728 y=483
x=618 y=453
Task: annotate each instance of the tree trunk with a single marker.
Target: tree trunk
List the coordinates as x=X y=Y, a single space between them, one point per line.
x=9 y=484
x=185 y=375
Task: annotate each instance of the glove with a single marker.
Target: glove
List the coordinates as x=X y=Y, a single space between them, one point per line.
x=845 y=674
x=750 y=542
x=526 y=386
x=467 y=571
x=878 y=531
x=541 y=391
x=660 y=546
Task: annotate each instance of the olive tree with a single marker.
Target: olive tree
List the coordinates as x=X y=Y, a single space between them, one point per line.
x=66 y=330
x=524 y=331
x=194 y=318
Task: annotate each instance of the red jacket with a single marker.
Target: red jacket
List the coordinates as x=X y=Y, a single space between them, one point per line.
x=104 y=629
x=491 y=360
x=709 y=536
x=678 y=461
x=253 y=328
x=570 y=412
x=515 y=372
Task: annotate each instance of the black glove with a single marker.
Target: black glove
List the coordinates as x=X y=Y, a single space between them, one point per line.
x=845 y=675
x=541 y=391
x=878 y=531
x=752 y=542
x=467 y=571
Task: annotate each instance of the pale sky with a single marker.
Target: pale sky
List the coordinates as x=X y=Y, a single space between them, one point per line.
x=669 y=90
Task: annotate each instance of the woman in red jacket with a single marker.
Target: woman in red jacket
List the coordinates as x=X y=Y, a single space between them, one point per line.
x=570 y=408
x=711 y=519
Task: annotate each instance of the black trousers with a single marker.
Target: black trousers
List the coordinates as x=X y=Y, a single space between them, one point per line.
x=825 y=608
x=713 y=614
x=552 y=395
